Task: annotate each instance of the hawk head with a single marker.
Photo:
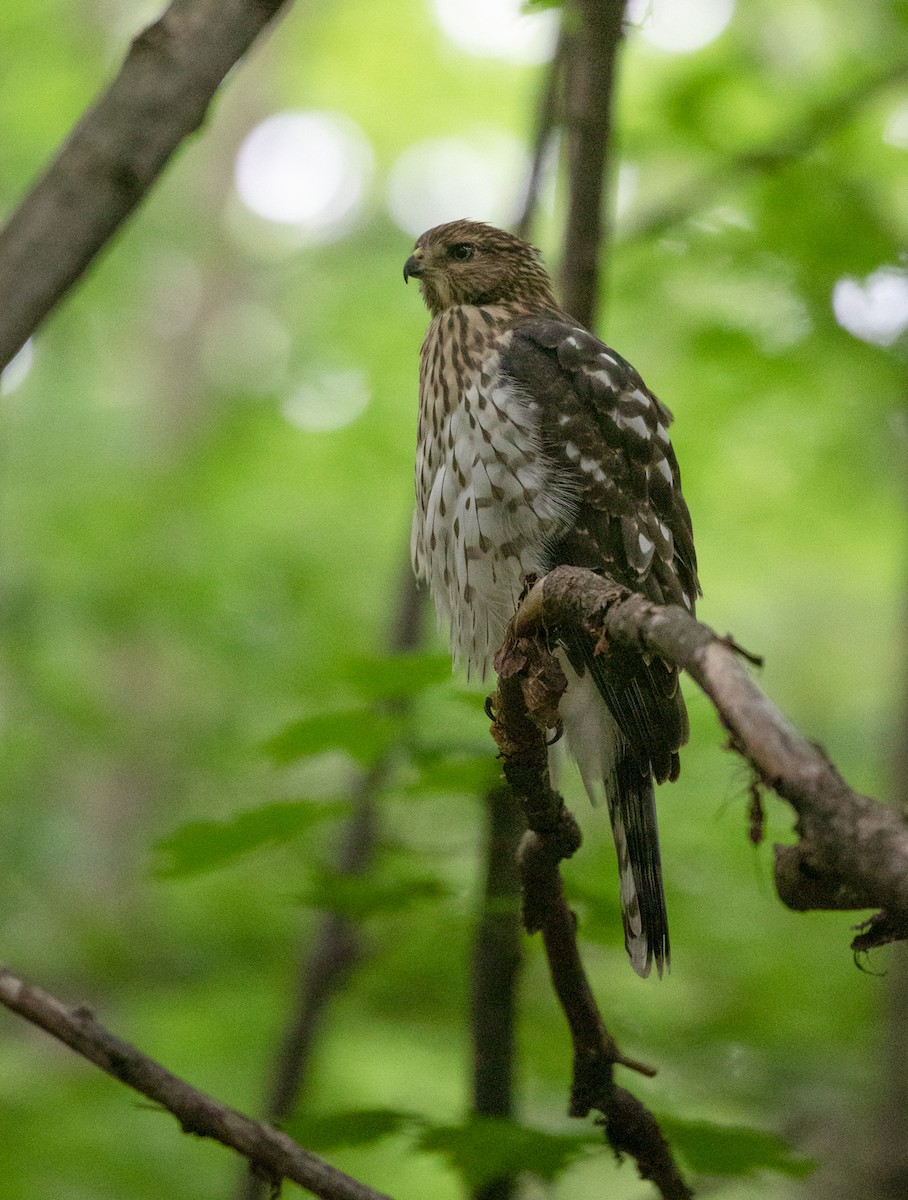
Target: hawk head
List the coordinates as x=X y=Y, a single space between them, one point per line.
x=467 y=262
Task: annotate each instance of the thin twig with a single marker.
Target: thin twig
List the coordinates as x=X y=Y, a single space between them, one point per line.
x=114 y=154
x=273 y=1153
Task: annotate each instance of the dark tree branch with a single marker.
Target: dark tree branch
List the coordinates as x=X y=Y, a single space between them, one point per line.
x=496 y=963
x=852 y=851
x=115 y=153
x=592 y=44
x=529 y=686
x=272 y=1152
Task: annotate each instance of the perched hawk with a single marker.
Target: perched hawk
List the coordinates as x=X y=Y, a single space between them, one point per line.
x=538 y=445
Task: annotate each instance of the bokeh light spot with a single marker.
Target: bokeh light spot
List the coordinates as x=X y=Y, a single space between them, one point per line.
x=875 y=310
x=328 y=399
x=444 y=179
x=896 y=130
x=305 y=169
x=499 y=28
x=626 y=188
x=681 y=26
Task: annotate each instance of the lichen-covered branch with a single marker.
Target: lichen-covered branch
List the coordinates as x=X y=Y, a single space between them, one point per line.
x=115 y=153
x=852 y=850
x=272 y=1152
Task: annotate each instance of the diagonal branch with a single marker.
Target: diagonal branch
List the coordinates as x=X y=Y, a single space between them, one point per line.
x=272 y=1152
x=115 y=153
x=852 y=852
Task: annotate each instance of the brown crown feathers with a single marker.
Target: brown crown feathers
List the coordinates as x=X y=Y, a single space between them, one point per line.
x=468 y=262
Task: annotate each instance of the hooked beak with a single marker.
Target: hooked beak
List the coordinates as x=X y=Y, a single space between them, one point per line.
x=413 y=266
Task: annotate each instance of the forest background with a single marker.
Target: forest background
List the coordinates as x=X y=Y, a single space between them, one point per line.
x=206 y=462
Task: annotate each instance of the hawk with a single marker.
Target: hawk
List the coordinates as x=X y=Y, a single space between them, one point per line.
x=537 y=446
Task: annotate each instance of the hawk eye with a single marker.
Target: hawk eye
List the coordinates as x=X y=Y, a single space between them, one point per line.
x=462 y=252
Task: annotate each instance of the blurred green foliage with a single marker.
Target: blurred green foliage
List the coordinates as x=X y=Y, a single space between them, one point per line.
x=191 y=573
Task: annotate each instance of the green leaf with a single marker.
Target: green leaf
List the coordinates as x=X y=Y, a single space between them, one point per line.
x=205 y=845
x=486 y=1148
x=362 y=732
x=381 y=891
x=393 y=677
x=714 y=1149
x=360 y=1127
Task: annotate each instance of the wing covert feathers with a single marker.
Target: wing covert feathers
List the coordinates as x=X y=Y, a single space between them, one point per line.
x=609 y=435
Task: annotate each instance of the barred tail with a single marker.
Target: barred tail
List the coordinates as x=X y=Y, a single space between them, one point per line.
x=632 y=808
x=611 y=773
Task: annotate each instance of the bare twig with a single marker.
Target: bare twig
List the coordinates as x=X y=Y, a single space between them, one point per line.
x=590 y=66
x=273 y=1153
x=852 y=850
x=116 y=152
x=496 y=962
x=529 y=684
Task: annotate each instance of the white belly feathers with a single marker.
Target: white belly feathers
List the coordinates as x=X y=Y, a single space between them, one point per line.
x=487 y=501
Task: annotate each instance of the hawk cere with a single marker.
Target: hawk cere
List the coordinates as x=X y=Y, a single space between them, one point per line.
x=537 y=446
